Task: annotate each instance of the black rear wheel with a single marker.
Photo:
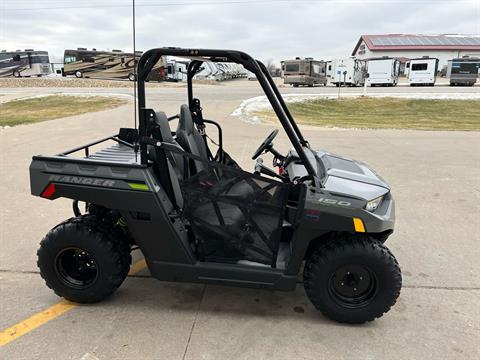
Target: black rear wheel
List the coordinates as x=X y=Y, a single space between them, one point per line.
x=83 y=259
x=352 y=279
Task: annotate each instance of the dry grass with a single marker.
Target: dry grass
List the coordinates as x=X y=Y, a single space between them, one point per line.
x=386 y=113
x=52 y=107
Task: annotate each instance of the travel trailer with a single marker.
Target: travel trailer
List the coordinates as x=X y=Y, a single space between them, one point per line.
x=383 y=71
x=24 y=63
x=423 y=71
x=329 y=70
x=219 y=71
x=348 y=72
x=463 y=71
x=114 y=64
x=306 y=72
x=176 y=70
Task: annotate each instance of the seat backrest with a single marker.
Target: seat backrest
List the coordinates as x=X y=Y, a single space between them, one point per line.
x=190 y=139
x=177 y=165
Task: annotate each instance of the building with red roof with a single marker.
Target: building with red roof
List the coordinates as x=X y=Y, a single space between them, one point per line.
x=443 y=47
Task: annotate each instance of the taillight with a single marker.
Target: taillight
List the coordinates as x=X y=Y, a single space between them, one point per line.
x=49 y=191
x=280 y=170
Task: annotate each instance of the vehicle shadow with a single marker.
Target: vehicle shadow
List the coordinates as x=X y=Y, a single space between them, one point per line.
x=146 y=294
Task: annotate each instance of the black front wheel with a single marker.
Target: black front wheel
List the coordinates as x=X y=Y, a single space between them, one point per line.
x=83 y=259
x=352 y=279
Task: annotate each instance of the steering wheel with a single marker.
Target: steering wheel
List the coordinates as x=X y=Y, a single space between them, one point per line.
x=265 y=145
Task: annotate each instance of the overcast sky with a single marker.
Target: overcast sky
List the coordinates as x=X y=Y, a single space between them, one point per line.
x=275 y=29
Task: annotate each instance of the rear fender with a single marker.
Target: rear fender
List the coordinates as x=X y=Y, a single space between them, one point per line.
x=133 y=191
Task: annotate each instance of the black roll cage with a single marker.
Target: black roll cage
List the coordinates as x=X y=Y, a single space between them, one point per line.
x=198 y=57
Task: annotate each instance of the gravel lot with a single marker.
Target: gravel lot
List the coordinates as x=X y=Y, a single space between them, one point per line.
x=52 y=82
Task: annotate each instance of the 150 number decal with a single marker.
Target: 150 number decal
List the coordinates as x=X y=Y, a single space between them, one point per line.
x=334 y=202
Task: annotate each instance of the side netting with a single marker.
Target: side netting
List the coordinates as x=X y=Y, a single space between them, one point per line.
x=235 y=215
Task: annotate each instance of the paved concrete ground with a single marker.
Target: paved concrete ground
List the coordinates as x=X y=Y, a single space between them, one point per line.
x=436 y=181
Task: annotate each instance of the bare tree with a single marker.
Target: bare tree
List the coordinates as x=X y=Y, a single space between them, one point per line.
x=271 y=66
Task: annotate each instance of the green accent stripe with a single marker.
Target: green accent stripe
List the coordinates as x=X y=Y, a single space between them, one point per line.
x=137 y=186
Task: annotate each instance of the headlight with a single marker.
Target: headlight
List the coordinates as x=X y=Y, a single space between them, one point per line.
x=373 y=204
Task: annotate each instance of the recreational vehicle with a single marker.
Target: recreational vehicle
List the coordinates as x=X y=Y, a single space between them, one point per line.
x=383 y=71
x=306 y=71
x=423 y=71
x=348 y=72
x=219 y=71
x=463 y=71
x=113 y=64
x=176 y=70
x=24 y=63
x=329 y=70
x=209 y=71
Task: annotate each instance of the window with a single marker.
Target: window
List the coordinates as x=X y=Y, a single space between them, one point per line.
x=419 y=67
x=465 y=68
x=70 y=59
x=292 y=68
x=40 y=59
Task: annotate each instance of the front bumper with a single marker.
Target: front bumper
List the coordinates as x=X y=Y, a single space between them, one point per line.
x=382 y=219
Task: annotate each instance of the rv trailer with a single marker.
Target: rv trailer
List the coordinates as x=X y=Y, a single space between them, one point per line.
x=423 y=71
x=463 y=71
x=383 y=71
x=114 y=64
x=306 y=71
x=176 y=70
x=348 y=72
x=24 y=63
x=329 y=70
x=220 y=71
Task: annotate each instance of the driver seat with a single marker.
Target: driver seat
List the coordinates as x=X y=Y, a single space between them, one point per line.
x=177 y=166
x=190 y=140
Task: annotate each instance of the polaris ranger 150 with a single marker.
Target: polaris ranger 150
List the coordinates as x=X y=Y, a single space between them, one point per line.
x=198 y=217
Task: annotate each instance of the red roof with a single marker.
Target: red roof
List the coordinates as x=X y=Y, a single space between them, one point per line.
x=419 y=42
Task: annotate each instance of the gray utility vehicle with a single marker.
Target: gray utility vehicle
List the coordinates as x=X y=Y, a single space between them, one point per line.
x=198 y=217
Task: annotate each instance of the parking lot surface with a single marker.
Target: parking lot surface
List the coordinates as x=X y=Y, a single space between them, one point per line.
x=435 y=178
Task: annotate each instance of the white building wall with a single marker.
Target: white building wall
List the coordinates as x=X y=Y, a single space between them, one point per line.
x=442 y=55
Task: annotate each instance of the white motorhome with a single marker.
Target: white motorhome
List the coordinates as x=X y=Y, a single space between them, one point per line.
x=423 y=71
x=383 y=71
x=348 y=72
